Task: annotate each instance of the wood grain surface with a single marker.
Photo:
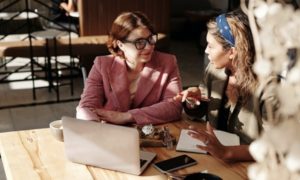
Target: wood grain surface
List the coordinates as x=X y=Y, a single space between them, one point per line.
x=36 y=154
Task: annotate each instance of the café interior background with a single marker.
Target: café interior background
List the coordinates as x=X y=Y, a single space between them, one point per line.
x=187 y=42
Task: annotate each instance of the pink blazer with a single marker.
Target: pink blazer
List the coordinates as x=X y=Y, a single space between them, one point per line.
x=107 y=87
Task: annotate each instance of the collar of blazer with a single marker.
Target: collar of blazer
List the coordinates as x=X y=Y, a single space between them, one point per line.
x=119 y=82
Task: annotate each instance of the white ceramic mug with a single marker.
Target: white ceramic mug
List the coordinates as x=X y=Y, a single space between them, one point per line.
x=56 y=129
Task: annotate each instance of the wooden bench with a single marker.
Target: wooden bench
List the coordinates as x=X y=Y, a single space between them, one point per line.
x=81 y=46
x=84 y=47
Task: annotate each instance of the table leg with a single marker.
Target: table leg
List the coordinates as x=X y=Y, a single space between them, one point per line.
x=49 y=69
x=56 y=70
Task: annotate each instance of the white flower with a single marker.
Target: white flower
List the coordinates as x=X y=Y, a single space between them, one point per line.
x=272 y=47
x=294 y=76
x=258 y=172
x=274 y=14
x=287 y=30
x=277 y=151
x=260 y=12
x=293 y=158
x=280 y=63
x=264 y=172
x=288 y=102
x=262 y=67
x=284 y=135
x=259 y=149
x=275 y=8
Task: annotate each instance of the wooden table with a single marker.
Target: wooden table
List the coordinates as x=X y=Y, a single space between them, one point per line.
x=35 y=154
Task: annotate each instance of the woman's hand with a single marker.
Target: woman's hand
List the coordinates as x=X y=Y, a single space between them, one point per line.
x=191 y=95
x=192 y=92
x=113 y=117
x=212 y=144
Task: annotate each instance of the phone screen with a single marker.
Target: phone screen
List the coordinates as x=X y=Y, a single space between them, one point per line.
x=175 y=163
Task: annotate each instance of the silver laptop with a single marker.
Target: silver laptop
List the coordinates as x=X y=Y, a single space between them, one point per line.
x=104 y=145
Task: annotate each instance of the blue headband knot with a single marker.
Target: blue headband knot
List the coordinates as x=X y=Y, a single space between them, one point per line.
x=225 y=30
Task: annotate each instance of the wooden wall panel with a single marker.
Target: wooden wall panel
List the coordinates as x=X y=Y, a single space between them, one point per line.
x=96 y=16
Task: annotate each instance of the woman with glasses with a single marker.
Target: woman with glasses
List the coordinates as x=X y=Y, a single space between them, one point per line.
x=231 y=86
x=135 y=84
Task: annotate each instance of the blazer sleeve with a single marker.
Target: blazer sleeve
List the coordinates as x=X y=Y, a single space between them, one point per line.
x=93 y=93
x=167 y=109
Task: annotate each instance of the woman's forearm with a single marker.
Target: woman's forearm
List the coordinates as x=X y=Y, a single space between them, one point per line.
x=237 y=153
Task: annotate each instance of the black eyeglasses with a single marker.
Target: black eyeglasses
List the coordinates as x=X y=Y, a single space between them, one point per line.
x=142 y=42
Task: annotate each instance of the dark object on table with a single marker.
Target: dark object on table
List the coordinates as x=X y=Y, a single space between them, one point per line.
x=202 y=176
x=199 y=111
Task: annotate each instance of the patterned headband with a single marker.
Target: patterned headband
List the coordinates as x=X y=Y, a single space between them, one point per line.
x=225 y=30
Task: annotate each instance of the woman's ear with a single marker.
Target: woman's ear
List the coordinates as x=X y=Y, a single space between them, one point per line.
x=233 y=53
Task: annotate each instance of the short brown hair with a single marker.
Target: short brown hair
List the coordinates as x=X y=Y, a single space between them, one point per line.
x=123 y=25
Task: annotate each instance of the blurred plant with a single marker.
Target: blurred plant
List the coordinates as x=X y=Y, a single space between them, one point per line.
x=276 y=30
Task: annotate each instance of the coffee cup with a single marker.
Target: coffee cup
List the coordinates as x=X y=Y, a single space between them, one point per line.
x=197 y=109
x=56 y=129
x=206 y=176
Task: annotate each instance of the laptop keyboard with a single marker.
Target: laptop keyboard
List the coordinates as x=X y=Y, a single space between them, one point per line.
x=142 y=162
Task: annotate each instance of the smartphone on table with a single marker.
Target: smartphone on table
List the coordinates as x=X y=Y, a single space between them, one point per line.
x=175 y=163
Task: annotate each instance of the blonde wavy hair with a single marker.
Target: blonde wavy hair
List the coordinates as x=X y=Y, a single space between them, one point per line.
x=243 y=62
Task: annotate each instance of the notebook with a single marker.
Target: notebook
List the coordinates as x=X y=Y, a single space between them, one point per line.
x=104 y=145
x=189 y=144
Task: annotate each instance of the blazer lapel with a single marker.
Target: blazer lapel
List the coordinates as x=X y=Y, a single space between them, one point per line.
x=149 y=76
x=119 y=84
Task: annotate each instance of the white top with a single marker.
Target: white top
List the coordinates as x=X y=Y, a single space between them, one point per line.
x=133 y=87
x=74 y=14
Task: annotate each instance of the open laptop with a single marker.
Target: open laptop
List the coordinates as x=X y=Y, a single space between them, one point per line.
x=104 y=145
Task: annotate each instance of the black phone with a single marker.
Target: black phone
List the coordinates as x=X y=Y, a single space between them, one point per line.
x=175 y=163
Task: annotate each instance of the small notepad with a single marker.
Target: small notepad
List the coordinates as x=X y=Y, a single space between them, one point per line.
x=189 y=144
